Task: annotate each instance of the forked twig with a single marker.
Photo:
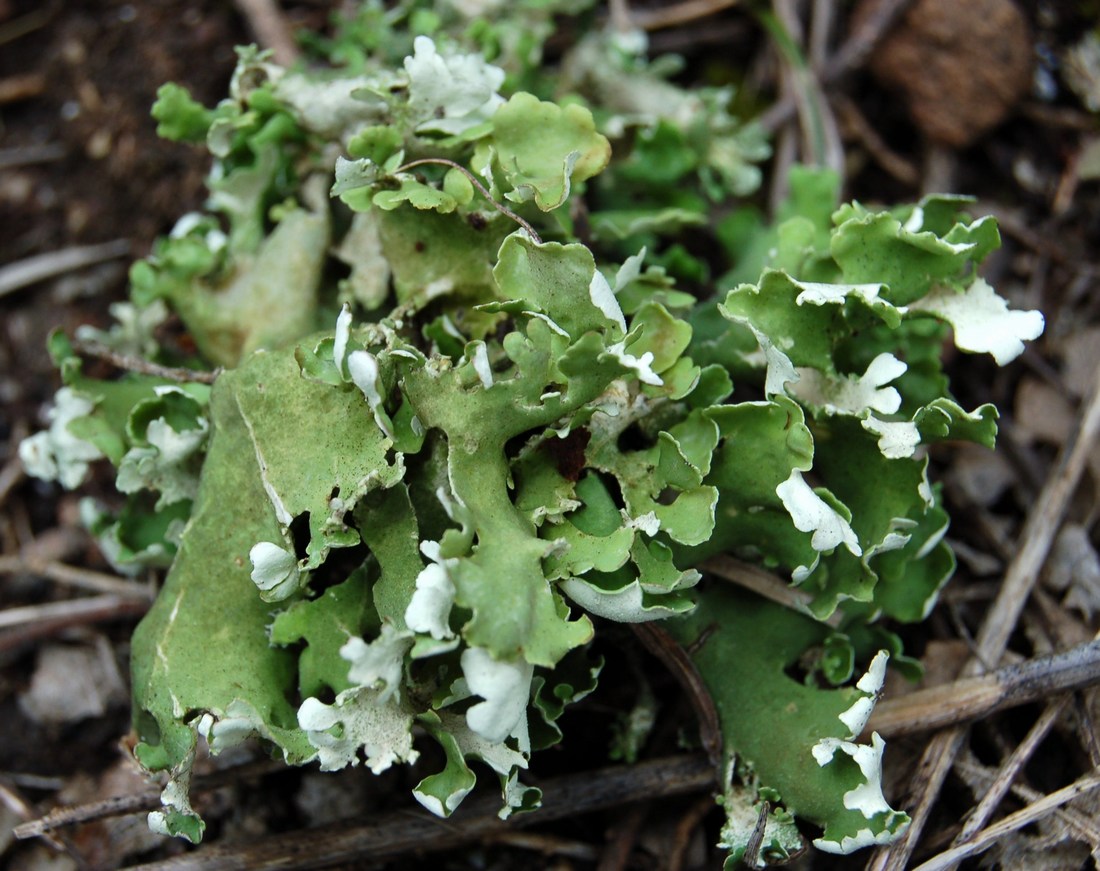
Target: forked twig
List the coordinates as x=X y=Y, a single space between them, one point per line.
x=1038 y=810
x=1079 y=823
x=1010 y=770
x=131 y=363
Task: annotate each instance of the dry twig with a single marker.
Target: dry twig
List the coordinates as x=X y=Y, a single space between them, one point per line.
x=75 y=576
x=21 y=87
x=678 y=661
x=402 y=831
x=857 y=124
x=119 y=805
x=74 y=610
x=675 y=14
x=1013 y=822
x=131 y=363
x=549 y=845
x=764 y=583
x=623 y=837
x=23 y=273
x=848 y=57
x=25 y=624
x=13 y=800
x=1010 y=770
x=972 y=698
x=271 y=29
x=685 y=829
x=27 y=155
x=1081 y=825
x=24 y=24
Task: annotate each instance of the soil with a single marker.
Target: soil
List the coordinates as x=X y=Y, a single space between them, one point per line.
x=80 y=164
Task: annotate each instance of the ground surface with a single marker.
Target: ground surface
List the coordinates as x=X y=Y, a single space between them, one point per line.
x=80 y=165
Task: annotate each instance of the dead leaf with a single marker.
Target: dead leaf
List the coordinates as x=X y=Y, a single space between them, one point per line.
x=1080 y=353
x=1073 y=569
x=1042 y=414
x=72 y=682
x=982 y=475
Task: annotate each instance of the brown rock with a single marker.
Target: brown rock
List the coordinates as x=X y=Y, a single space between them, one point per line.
x=962 y=65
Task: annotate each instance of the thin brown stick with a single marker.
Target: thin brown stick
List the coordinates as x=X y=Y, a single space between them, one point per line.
x=1040 y=529
x=859 y=46
x=34 y=621
x=685 y=828
x=74 y=576
x=74 y=611
x=661 y=17
x=146 y=800
x=24 y=273
x=21 y=87
x=473 y=179
x=12 y=798
x=1081 y=825
x=764 y=583
x=1036 y=539
x=115 y=806
x=622 y=838
x=27 y=155
x=756 y=840
x=972 y=698
x=881 y=153
x=11 y=474
x=144 y=367
x=549 y=845
x=1010 y=770
x=851 y=55
x=677 y=660
x=1012 y=823
x=403 y=831
x=24 y=24
x=270 y=27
